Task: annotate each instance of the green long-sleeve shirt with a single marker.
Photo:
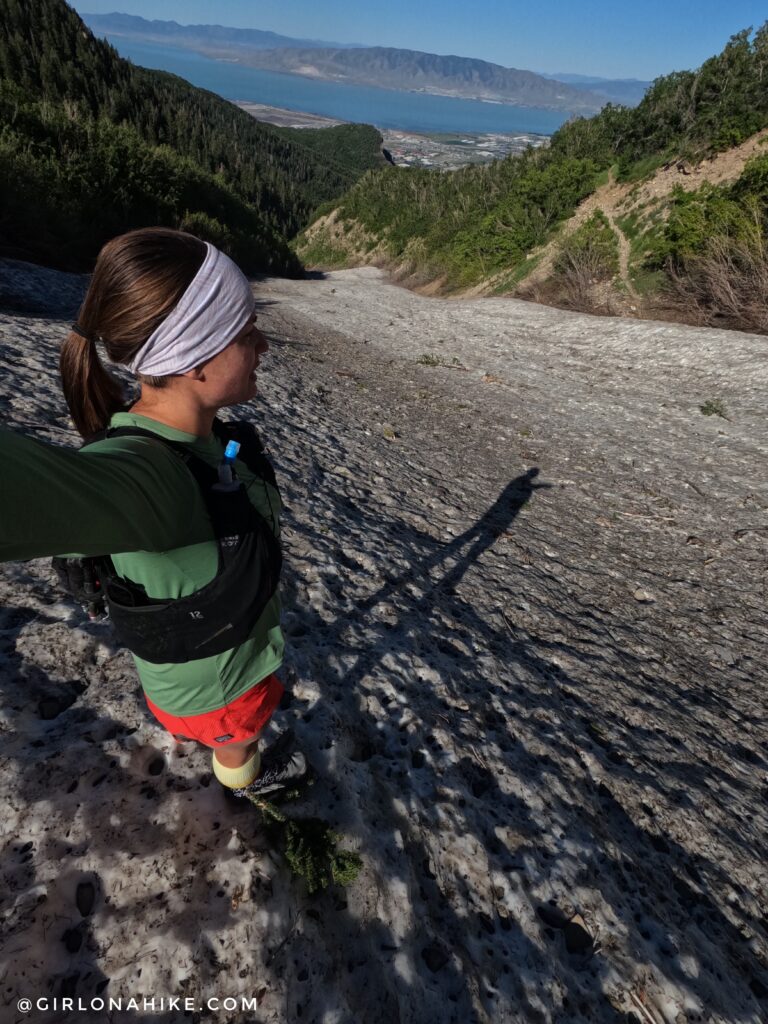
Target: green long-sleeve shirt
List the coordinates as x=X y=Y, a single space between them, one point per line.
x=134 y=499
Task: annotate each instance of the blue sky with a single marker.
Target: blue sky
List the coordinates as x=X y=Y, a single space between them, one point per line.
x=594 y=37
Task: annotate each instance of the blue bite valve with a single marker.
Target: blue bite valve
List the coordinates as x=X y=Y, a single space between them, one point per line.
x=226 y=477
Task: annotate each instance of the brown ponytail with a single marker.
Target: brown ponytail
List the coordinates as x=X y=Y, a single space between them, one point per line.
x=91 y=392
x=138 y=279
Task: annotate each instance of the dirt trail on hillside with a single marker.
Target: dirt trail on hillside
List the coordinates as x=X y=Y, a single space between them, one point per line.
x=617 y=199
x=625 y=251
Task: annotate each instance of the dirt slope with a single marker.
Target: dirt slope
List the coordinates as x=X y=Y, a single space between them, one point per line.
x=622 y=199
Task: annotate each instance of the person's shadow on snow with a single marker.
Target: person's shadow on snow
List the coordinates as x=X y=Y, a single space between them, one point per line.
x=423 y=622
x=483 y=534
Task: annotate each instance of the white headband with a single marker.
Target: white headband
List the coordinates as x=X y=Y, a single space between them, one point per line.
x=215 y=306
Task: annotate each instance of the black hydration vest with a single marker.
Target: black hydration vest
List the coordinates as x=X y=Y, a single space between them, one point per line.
x=222 y=614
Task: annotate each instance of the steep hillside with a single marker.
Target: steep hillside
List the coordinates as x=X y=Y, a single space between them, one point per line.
x=623 y=199
x=92 y=145
x=352 y=148
x=699 y=252
x=639 y=218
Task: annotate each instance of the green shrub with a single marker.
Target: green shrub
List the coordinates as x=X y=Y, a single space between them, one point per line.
x=592 y=250
x=715 y=215
x=714 y=249
x=321 y=251
x=310 y=847
x=714 y=407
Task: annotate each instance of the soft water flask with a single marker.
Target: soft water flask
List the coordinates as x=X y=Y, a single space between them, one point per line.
x=226 y=479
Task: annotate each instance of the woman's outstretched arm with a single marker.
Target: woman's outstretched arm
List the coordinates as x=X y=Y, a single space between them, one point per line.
x=127 y=494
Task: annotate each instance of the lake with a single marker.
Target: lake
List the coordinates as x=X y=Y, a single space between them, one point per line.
x=385 y=108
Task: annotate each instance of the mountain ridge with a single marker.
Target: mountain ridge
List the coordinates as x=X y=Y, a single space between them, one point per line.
x=626 y=91
x=133 y=25
x=384 y=67
x=416 y=70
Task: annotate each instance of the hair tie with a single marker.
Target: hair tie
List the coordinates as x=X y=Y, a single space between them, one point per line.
x=78 y=330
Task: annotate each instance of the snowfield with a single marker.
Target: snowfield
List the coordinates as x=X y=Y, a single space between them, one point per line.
x=525 y=609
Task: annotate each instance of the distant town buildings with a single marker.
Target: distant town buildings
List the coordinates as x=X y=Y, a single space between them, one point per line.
x=447 y=152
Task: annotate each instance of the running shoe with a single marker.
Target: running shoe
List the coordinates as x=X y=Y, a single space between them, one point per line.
x=282 y=767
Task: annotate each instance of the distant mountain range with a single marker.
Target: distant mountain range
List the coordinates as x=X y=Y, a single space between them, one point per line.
x=386 y=67
x=190 y=35
x=627 y=91
x=412 y=70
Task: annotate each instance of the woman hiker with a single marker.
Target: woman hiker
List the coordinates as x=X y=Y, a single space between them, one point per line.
x=188 y=534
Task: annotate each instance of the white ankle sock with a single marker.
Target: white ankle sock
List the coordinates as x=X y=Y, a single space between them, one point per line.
x=236 y=778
